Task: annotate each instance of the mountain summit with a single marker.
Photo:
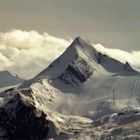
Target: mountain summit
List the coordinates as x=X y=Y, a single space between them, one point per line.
x=80 y=61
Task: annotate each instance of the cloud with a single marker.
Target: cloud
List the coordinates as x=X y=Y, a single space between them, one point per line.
x=27 y=53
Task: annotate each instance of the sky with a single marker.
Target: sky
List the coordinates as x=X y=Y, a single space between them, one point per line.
x=113 y=23
x=35 y=32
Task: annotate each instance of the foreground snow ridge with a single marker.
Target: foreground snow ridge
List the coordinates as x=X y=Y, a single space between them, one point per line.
x=84 y=94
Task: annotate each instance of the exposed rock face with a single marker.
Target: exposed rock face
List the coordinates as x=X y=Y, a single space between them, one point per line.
x=78 y=70
x=19 y=119
x=101 y=58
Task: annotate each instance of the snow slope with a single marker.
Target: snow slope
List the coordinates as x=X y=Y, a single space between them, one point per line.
x=83 y=94
x=84 y=50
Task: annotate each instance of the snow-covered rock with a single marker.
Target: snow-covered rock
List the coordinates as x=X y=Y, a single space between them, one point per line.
x=81 y=95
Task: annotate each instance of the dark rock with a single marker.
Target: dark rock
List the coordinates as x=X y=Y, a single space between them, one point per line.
x=121 y=113
x=101 y=57
x=79 y=69
x=19 y=120
x=116 y=131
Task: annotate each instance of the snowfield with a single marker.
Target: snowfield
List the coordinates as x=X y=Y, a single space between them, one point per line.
x=83 y=95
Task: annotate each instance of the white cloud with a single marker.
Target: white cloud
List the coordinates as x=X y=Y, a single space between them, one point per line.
x=27 y=53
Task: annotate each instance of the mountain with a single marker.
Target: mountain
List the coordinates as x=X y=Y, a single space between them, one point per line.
x=8 y=79
x=83 y=94
x=81 y=52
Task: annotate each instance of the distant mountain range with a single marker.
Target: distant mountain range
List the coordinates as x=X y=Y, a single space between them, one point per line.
x=84 y=94
x=8 y=79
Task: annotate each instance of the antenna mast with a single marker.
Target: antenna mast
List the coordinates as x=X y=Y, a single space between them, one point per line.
x=114 y=96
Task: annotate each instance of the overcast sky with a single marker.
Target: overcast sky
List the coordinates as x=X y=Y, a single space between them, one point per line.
x=113 y=23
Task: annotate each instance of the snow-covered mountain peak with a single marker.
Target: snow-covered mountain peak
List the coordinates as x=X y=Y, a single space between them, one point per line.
x=78 y=50
x=80 y=42
x=80 y=61
x=85 y=46
x=83 y=52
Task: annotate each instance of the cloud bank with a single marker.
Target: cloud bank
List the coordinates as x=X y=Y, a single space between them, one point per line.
x=27 y=53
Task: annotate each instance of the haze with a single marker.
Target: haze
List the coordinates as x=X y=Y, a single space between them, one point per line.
x=113 y=23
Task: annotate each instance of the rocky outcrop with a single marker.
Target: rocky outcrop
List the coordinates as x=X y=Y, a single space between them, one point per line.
x=78 y=70
x=19 y=119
